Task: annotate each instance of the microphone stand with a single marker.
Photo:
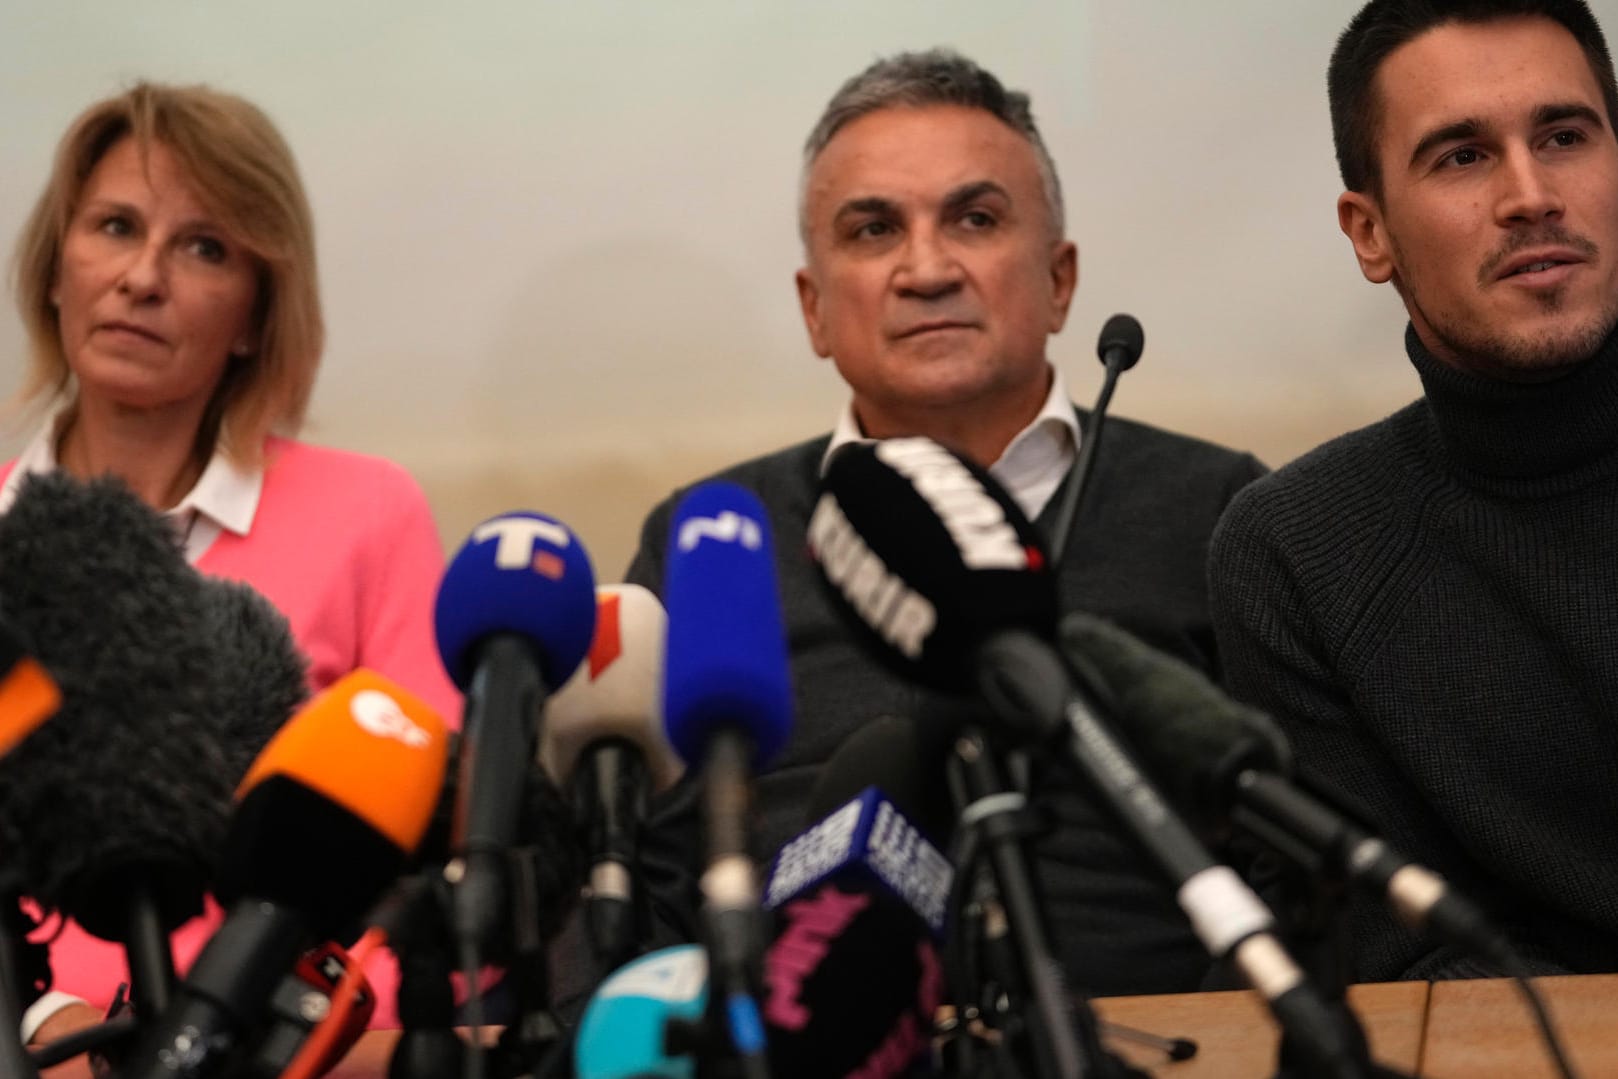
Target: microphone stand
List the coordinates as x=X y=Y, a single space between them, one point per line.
x=1309 y=917
x=994 y=812
x=13 y=1059
x=529 y=1045
x=428 y=1047
x=151 y=960
x=1119 y=349
x=609 y=793
x=731 y=913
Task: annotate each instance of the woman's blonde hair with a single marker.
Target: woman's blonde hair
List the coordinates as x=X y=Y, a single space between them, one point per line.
x=245 y=175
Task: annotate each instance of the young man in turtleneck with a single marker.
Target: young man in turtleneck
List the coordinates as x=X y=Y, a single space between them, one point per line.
x=1430 y=605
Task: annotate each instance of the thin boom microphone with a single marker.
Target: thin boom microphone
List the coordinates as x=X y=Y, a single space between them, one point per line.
x=1122 y=341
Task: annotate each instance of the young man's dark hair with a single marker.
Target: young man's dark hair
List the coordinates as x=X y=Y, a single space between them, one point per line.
x=1382 y=26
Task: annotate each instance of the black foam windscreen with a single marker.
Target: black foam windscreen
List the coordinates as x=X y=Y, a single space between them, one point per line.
x=927 y=555
x=1191 y=736
x=852 y=973
x=1123 y=338
x=296 y=847
x=132 y=780
x=901 y=757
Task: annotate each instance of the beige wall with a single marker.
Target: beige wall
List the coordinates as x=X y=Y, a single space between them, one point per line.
x=557 y=239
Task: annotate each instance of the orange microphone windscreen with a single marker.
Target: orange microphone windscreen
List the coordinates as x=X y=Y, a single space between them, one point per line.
x=367 y=746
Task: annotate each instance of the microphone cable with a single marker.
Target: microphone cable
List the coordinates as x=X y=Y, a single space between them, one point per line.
x=1542 y=1019
x=1121 y=343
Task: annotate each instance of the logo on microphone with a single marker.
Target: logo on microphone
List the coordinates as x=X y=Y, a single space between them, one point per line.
x=379 y=714
x=901 y=857
x=898 y=613
x=813 y=855
x=974 y=520
x=728 y=527
x=674 y=975
x=518 y=538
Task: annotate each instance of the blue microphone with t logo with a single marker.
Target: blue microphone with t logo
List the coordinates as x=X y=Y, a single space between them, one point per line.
x=514 y=617
x=727 y=708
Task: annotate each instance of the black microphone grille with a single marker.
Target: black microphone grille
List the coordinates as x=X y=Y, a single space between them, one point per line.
x=1122 y=337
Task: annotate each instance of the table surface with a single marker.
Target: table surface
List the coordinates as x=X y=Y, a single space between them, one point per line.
x=1485 y=1028
x=1443 y=1030
x=1237 y=1039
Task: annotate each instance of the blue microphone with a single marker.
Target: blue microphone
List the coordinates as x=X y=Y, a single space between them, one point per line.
x=623 y=1033
x=726 y=665
x=727 y=708
x=524 y=576
x=514 y=617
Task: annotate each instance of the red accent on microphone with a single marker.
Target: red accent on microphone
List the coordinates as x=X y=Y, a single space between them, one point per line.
x=608 y=643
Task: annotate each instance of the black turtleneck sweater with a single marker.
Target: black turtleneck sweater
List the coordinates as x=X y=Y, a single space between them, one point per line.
x=1430 y=607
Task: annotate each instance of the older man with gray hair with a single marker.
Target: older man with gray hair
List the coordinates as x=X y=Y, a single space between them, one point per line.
x=936 y=268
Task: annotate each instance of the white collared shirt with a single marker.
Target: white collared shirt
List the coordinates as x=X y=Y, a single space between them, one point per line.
x=224 y=498
x=1034 y=462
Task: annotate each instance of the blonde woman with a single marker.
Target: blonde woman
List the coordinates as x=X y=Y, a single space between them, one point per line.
x=167 y=281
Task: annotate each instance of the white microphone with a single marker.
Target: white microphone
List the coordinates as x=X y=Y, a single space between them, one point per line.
x=603 y=738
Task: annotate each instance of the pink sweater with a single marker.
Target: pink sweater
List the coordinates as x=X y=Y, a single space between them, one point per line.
x=344 y=545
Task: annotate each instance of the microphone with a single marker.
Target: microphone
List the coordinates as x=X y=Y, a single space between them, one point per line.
x=114 y=812
x=28 y=697
x=727 y=706
x=640 y=1021
x=325 y=819
x=902 y=528
x=1230 y=764
x=1121 y=343
x=948 y=531
x=925 y=560
x=1119 y=348
x=853 y=974
x=514 y=616
x=603 y=735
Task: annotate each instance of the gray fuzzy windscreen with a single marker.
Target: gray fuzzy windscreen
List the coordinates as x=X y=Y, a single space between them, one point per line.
x=265 y=679
x=130 y=783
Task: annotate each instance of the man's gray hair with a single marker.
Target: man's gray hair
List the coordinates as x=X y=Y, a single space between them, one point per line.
x=917 y=79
